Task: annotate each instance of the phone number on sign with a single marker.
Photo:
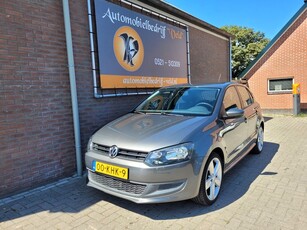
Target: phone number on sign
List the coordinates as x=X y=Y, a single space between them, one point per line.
x=170 y=63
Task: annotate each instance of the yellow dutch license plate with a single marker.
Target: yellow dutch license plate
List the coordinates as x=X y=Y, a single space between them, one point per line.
x=111 y=170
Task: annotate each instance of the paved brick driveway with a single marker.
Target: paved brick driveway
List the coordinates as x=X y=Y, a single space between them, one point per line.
x=267 y=191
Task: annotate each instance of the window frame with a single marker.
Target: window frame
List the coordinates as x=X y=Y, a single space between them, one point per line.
x=251 y=96
x=279 y=91
x=223 y=109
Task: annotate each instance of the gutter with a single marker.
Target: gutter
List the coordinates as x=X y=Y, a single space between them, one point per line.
x=73 y=87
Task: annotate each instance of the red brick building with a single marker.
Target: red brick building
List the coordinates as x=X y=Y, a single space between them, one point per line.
x=282 y=63
x=37 y=129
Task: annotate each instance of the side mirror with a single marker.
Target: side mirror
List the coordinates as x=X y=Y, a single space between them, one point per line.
x=234 y=113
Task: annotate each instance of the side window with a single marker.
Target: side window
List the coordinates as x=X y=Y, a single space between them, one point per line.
x=246 y=96
x=231 y=99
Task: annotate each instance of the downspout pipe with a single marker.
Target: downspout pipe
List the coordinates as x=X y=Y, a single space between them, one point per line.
x=73 y=87
x=94 y=68
x=188 y=54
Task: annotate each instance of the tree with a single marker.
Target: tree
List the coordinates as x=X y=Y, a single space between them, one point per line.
x=246 y=45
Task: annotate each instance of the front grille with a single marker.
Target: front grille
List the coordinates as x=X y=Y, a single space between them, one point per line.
x=120 y=185
x=123 y=153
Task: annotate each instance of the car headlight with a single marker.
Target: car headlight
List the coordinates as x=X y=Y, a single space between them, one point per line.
x=170 y=155
x=90 y=144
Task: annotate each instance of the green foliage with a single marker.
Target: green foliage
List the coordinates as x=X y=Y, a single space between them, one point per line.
x=246 y=45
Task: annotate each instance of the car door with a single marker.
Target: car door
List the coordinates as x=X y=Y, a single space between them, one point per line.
x=233 y=133
x=250 y=111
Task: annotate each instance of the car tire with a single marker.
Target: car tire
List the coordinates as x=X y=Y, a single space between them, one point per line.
x=211 y=181
x=259 y=142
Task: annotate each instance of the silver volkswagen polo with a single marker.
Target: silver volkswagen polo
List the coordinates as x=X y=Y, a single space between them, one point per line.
x=177 y=144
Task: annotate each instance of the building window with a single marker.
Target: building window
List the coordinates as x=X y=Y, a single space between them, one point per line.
x=280 y=85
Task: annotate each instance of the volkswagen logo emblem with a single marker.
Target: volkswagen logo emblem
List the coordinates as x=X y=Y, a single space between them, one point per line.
x=113 y=151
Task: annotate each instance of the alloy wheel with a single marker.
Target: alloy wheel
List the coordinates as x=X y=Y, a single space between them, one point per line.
x=213 y=179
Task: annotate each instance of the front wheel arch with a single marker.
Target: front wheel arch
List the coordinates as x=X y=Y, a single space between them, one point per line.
x=211 y=180
x=259 y=140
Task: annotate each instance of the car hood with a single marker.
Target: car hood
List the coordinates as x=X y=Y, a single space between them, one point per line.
x=147 y=132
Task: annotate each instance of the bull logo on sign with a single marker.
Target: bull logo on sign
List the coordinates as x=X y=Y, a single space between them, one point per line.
x=131 y=48
x=128 y=48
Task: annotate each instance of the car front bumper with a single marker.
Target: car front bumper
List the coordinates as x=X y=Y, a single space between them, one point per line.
x=145 y=184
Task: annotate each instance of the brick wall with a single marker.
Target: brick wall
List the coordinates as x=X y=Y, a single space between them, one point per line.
x=36 y=132
x=287 y=58
x=209 y=58
x=36 y=126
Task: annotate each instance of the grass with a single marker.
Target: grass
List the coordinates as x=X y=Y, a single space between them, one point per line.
x=301 y=115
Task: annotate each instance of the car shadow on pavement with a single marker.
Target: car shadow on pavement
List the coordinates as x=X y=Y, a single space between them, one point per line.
x=236 y=183
x=267 y=118
x=76 y=197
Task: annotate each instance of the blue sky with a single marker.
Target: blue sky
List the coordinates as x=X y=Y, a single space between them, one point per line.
x=268 y=16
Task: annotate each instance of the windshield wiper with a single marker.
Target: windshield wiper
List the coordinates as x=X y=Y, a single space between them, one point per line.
x=171 y=114
x=139 y=112
x=158 y=113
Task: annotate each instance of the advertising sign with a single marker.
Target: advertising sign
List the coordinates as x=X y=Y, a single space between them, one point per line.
x=137 y=51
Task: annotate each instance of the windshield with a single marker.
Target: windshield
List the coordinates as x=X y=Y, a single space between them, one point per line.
x=182 y=101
